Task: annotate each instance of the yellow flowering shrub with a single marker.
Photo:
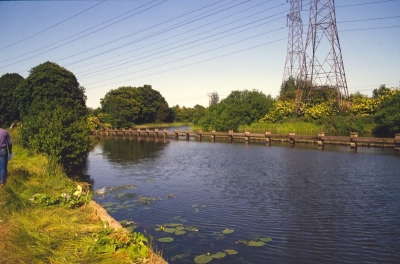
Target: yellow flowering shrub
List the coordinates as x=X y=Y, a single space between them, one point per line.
x=321 y=110
x=280 y=110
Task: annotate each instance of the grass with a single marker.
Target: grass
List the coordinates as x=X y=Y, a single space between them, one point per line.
x=299 y=127
x=34 y=233
x=161 y=125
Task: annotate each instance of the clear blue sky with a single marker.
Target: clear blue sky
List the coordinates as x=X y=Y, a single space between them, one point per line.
x=188 y=48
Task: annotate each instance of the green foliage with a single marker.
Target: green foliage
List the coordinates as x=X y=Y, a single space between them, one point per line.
x=73 y=199
x=8 y=110
x=48 y=82
x=388 y=115
x=279 y=111
x=239 y=108
x=57 y=132
x=108 y=241
x=288 y=90
x=93 y=122
x=346 y=124
x=126 y=106
x=188 y=114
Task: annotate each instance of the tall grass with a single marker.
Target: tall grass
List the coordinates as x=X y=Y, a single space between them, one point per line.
x=34 y=233
x=162 y=125
x=299 y=127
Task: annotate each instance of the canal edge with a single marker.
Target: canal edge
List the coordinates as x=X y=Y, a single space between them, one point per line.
x=114 y=224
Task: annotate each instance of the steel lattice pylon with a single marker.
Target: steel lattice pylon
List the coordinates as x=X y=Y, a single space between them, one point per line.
x=322 y=65
x=294 y=57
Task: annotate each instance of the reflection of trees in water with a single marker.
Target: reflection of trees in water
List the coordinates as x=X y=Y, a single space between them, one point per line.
x=80 y=172
x=127 y=150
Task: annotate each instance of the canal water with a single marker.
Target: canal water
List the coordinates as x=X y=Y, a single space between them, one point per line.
x=267 y=204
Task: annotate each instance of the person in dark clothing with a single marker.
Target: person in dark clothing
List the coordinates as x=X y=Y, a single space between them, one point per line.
x=5 y=150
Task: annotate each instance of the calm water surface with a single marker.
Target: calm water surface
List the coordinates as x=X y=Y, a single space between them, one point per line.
x=318 y=206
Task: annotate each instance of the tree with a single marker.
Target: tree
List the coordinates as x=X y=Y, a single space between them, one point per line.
x=48 y=82
x=239 y=108
x=381 y=91
x=214 y=98
x=387 y=118
x=121 y=107
x=126 y=106
x=54 y=114
x=8 y=110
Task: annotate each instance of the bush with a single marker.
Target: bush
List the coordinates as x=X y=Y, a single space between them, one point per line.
x=57 y=132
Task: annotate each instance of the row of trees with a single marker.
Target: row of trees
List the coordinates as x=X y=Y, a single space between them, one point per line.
x=52 y=107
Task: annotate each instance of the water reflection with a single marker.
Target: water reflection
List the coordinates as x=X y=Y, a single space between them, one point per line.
x=128 y=150
x=325 y=206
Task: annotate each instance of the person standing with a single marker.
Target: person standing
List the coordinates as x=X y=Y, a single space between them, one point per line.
x=5 y=150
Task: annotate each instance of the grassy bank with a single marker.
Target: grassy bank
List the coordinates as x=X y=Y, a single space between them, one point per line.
x=45 y=218
x=162 y=125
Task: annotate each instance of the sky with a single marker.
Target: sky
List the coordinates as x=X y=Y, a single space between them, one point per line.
x=188 y=49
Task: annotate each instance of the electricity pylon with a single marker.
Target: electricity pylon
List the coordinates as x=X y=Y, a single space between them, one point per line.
x=322 y=65
x=294 y=57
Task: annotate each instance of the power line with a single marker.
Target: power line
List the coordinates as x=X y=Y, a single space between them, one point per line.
x=183 y=33
x=194 y=41
x=92 y=32
x=31 y=36
x=198 y=62
x=143 y=38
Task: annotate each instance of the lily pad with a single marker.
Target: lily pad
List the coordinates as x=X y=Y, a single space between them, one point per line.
x=172 y=224
x=169 y=230
x=166 y=239
x=219 y=255
x=194 y=205
x=180 y=232
x=228 y=231
x=266 y=239
x=253 y=243
x=230 y=251
x=203 y=206
x=201 y=259
x=180 y=228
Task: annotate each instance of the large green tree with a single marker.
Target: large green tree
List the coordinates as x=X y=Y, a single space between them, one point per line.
x=48 y=82
x=126 y=106
x=239 y=108
x=8 y=109
x=387 y=118
x=54 y=113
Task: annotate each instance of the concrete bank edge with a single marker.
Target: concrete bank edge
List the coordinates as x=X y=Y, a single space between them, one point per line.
x=111 y=222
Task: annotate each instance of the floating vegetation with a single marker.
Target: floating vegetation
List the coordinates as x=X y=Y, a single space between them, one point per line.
x=147 y=180
x=201 y=259
x=125 y=197
x=230 y=251
x=180 y=256
x=266 y=239
x=194 y=205
x=113 y=189
x=205 y=258
x=203 y=206
x=180 y=232
x=179 y=218
x=166 y=239
x=252 y=243
x=177 y=229
x=219 y=255
x=144 y=200
x=228 y=231
x=128 y=225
